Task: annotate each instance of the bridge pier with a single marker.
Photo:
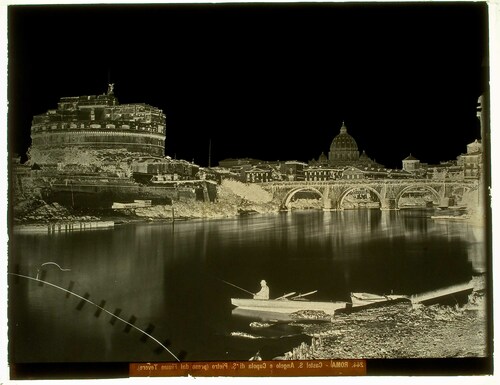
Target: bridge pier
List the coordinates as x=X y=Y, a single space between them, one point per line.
x=331 y=205
x=327 y=207
x=388 y=204
x=327 y=204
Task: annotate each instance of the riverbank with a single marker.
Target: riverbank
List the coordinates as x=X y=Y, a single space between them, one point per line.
x=53 y=213
x=401 y=330
x=234 y=199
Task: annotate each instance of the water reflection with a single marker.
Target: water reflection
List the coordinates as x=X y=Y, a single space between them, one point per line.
x=168 y=277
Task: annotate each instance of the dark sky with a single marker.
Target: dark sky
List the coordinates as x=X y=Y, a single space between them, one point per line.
x=268 y=81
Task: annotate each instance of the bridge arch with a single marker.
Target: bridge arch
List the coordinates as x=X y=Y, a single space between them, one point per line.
x=291 y=193
x=430 y=189
x=352 y=189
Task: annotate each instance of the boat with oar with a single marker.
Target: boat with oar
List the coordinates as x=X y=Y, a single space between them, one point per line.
x=369 y=299
x=288 y=303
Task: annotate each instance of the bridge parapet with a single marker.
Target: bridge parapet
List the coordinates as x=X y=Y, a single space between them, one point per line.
x=340 y=182
x=387 y=191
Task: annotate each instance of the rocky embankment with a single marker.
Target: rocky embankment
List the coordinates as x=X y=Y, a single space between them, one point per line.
x=233 y=199
x=38 y=211
x=400 y=330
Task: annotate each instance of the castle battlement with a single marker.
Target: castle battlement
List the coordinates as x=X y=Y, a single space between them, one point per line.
x=100 y=122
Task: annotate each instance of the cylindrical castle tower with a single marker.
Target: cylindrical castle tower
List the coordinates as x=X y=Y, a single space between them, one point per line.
x=100 y=123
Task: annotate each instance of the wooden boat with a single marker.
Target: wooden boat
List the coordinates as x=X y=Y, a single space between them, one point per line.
x=452 y=295
x=462 y=217
x=138 y=203
x=287 y=306
x=368 y=299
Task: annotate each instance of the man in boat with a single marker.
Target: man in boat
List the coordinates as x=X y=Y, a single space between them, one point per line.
x=264 y=291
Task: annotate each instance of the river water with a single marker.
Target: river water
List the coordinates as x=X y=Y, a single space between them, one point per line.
x=167 y=280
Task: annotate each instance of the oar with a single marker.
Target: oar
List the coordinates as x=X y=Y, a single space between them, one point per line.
x=246 y=291
x=303 y=295
x=285 y=296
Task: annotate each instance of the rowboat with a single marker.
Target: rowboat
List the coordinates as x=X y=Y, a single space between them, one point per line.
x=286 y=306
x=367 y=299
x=452 y=295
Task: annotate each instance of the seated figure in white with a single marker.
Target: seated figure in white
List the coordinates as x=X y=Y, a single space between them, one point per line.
x=264 y=291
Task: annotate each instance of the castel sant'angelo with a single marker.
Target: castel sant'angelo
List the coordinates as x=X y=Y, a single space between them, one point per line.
x=100 y=122
x=91 y=152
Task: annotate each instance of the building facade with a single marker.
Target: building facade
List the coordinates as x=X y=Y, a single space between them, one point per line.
x=411 y=164
x=472 y=161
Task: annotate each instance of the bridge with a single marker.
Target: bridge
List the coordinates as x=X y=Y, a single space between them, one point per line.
x=389 y=193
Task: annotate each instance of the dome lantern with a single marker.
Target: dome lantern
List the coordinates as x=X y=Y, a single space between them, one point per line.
x=343 y=129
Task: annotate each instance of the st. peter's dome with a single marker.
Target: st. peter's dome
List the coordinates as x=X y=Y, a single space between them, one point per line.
x=343 y=147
